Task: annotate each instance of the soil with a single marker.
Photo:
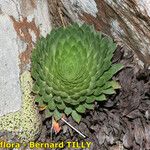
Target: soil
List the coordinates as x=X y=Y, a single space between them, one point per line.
x=120 y=123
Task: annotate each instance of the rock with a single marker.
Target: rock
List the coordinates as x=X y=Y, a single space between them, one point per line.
x=128 y=22
x=21 y=24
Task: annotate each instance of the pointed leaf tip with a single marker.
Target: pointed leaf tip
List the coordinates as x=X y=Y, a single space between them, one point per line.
x=76 y=116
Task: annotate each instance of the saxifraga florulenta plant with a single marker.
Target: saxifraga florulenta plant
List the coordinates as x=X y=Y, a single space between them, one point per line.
x=72 y=69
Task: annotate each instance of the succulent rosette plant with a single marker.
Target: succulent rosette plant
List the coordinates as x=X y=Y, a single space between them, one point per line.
x=72 y=69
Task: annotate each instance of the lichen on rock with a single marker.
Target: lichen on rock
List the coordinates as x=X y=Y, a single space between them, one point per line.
x=25 y=123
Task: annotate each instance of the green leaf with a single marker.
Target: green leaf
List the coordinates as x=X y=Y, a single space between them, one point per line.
x=46 y=97
x=115 y=85
x=115 y=68
x=51 y=105
x=58 y=99
x=40 y=82
x=109 y=74
x=41 y=103
x=36 y=89
x=98 y=91
x=81 y=109
x=61 y=106
x=38 y=99
x=89 y=106
x=34 y=73
x=48 y=113
x=68 y=111
x=48 y=90
x=76 y=116
x=100 y=98
x=67 y=100
x=57 y=115
x=90 y=99
x=109 y=91
x=74 y=102
x=82 y=99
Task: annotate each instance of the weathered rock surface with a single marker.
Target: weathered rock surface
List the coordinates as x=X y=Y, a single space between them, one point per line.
x=127 y=21
x=21 y=24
